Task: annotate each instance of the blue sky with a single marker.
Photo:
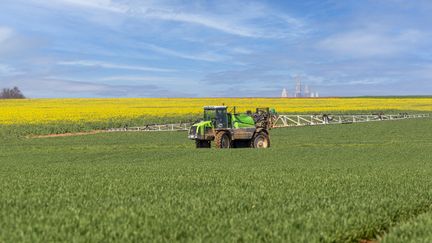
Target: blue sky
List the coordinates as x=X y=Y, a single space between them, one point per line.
x=131 y=48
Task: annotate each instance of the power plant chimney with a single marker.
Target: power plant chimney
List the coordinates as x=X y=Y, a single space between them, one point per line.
x=298 y=92
x=284 y=93
x=307 y=92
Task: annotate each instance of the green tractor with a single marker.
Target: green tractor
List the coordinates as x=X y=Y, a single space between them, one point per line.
x=231 y=129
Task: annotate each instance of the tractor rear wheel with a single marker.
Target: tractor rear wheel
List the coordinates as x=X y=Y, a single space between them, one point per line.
x=223 y=140
x=202 y=144
x=260 y=140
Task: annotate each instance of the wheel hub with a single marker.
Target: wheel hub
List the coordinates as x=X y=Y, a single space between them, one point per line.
x=225 y=142
x=261 y=142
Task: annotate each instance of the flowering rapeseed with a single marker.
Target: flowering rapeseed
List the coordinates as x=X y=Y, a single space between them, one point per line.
x=37 y=111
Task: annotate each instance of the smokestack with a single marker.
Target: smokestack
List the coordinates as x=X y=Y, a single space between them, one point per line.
x=307 y=91
x=284 y=93
x=298 y=92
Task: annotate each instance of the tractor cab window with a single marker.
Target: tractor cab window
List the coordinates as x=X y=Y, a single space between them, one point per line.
x=209 y=115
x=218 y=117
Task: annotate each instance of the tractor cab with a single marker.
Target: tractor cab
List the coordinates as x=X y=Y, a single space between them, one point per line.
x=218 y=116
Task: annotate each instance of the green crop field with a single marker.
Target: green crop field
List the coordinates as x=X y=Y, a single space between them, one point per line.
x=339 y=183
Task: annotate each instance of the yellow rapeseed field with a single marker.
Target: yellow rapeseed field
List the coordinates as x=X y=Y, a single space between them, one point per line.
x=36 y=111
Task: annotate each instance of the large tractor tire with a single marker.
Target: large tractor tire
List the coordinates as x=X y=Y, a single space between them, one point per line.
x=202 y=144
x=223 y=140
x=260 y=140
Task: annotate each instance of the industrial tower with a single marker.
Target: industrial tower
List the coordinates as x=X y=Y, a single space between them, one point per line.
x=307 y=92
x=284 y=93
x=298 y=92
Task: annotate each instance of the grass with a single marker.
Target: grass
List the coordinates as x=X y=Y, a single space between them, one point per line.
x=417 y=230
x=59 y=127
x=338 y=183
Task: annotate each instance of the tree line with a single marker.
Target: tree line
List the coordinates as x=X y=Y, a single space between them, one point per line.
x=13 y=93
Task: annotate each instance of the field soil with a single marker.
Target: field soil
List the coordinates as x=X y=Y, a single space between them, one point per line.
x=67 y=134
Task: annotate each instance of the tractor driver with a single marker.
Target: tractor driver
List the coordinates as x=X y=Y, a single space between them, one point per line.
x=219 y=118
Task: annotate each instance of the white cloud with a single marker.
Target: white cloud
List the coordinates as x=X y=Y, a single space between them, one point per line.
x=359 y=81
x=371 y=43
x=6 y=70
x=209 y=57
x=5 y=34
x=98 y=64
x=105 y=5
x=56 y=87
x=157 y=79
x=242 y=19
x=206 y=21
x=241 y=50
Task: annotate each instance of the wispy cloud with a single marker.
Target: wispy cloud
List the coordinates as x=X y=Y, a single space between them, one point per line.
x=259 y=77
x=235 y=21
x=356 y=81
x=241 y=50
x=6 y=70
x=208 y=57
x=206 y=21
x=105 y=5
x=98 y=64
x=255 y=26
x=366 y=43
x=243 y=19
x=5 y=33
x=76 y=88
x=151 y=79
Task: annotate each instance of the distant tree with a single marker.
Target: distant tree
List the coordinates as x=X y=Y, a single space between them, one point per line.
x=14 y=93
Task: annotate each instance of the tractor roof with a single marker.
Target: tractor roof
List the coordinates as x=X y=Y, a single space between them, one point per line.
x=214 y=107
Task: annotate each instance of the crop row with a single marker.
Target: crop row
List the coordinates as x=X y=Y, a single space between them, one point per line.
x=315 y=184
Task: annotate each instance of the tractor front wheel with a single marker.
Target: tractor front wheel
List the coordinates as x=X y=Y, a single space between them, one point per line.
x=202 y=144
x=260 y=140
x=223 y=140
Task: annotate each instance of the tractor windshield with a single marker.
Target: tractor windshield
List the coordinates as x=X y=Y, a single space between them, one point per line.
x=218 y=117
x=209 y=115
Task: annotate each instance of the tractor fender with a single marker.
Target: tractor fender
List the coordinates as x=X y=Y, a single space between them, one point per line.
x=224 y=130
x=261 y=129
